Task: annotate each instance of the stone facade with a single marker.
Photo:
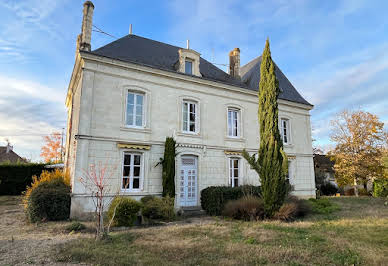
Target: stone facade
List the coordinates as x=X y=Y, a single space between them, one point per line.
x=96 y=127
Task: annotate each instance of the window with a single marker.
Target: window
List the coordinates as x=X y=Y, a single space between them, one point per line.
x=189 y=67
x=233 y=122
x=135 y=110
x=189 y=117
x=132 y=171
x=285 y=130
x=234 y=171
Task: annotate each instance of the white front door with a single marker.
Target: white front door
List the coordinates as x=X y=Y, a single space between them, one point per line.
x=188 y=181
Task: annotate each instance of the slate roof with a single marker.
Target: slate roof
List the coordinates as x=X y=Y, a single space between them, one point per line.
x=139 y=50
x=9 y=156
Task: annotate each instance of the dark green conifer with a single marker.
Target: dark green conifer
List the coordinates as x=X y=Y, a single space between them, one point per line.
x=168 y=163
x=271 y=163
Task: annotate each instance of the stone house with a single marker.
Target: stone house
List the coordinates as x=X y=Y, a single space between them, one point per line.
x=126 y=97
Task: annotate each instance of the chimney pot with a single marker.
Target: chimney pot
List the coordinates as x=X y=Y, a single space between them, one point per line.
x=87 y=23
x=188 y=44
x=234 y=63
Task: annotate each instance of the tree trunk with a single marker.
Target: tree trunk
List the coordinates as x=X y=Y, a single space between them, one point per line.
x=355 y=187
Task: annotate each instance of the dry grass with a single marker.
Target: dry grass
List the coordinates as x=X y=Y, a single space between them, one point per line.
x=358 y=234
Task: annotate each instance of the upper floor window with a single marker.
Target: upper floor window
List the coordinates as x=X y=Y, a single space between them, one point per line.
x=189 y=117
x=132 y=171
x=285 y=130
x=135 y=109
x=233 y=122
x=234 y=171
x=188 y=67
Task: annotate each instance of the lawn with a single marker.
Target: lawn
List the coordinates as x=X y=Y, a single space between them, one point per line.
x=355 y=234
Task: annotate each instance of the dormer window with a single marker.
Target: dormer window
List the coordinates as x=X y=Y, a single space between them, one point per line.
x=189 y=66
x=188 y=62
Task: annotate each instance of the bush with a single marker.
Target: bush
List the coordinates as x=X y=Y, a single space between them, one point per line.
x=49 y=201
x=293 y=208
x=380 y=188
x=363 y=192
x=14 y=178
x=349 y=192
x=213 y=199
x=156 y=208
x=75 y=226
x=125 y=211
x=328 y=189
x=247 y=208
x=323 y=206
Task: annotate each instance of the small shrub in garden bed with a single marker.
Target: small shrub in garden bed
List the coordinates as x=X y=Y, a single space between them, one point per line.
x=323 y=206
x=75 y=226
x=213 y=199
x=248 y=208
x=156 y=208
x=124 y=210
x=48 y=198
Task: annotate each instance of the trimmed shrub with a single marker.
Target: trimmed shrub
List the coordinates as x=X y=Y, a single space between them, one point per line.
x=156 y=208
x=14 y=178
x=328 y=189
x=213 y=199
x=75 y=226
x=247 y=208
x=49 y=201
x=323 y=206
x=125 y=211
x=380 y=188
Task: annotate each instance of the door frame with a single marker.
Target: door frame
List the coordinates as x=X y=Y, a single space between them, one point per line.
x=177 y=177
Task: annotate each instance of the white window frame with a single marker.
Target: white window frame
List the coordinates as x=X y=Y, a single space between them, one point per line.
x=238 y=129
x=289 y=173
x=231 y=171
x=288 y=130
x=196 y=117
x=135 y=93
x=131 y=169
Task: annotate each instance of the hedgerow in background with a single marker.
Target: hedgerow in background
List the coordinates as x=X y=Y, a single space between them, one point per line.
x=380 y=187
x=14 y=178
x=168 y=164
x=271 y=164
x=48 y=197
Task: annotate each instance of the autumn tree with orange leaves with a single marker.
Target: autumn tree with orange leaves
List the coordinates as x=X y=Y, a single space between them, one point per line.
x=360 y=141
x=51 y=151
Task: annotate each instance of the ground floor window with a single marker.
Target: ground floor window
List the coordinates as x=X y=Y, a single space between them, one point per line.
x=234 y=171
x=132 y=171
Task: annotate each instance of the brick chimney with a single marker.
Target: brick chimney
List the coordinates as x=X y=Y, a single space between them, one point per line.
x=234 y=63
x=83 y=40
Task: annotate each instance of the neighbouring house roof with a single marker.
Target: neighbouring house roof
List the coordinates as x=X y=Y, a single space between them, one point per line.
x=9 y=156
x=323 y=163
x=147 y=52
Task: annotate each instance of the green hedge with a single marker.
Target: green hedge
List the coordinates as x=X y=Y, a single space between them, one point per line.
x=380 y=188
x=14 y=178
x=213 y=199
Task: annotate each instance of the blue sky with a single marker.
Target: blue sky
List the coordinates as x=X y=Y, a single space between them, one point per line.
x=334 y=52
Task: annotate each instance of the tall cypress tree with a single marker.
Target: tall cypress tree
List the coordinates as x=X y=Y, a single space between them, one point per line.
x=168 y=164
x=271 y=163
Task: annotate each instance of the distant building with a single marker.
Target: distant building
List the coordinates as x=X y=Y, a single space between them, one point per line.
x=324 y=168
x=8 y=155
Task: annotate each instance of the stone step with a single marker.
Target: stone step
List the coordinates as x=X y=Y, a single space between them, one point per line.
x=192 y=211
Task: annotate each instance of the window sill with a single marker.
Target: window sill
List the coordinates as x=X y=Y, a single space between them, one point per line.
x=288 y=145
x=187 y=134
x=136 y=129
x=131 y=192
x=237 y=139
